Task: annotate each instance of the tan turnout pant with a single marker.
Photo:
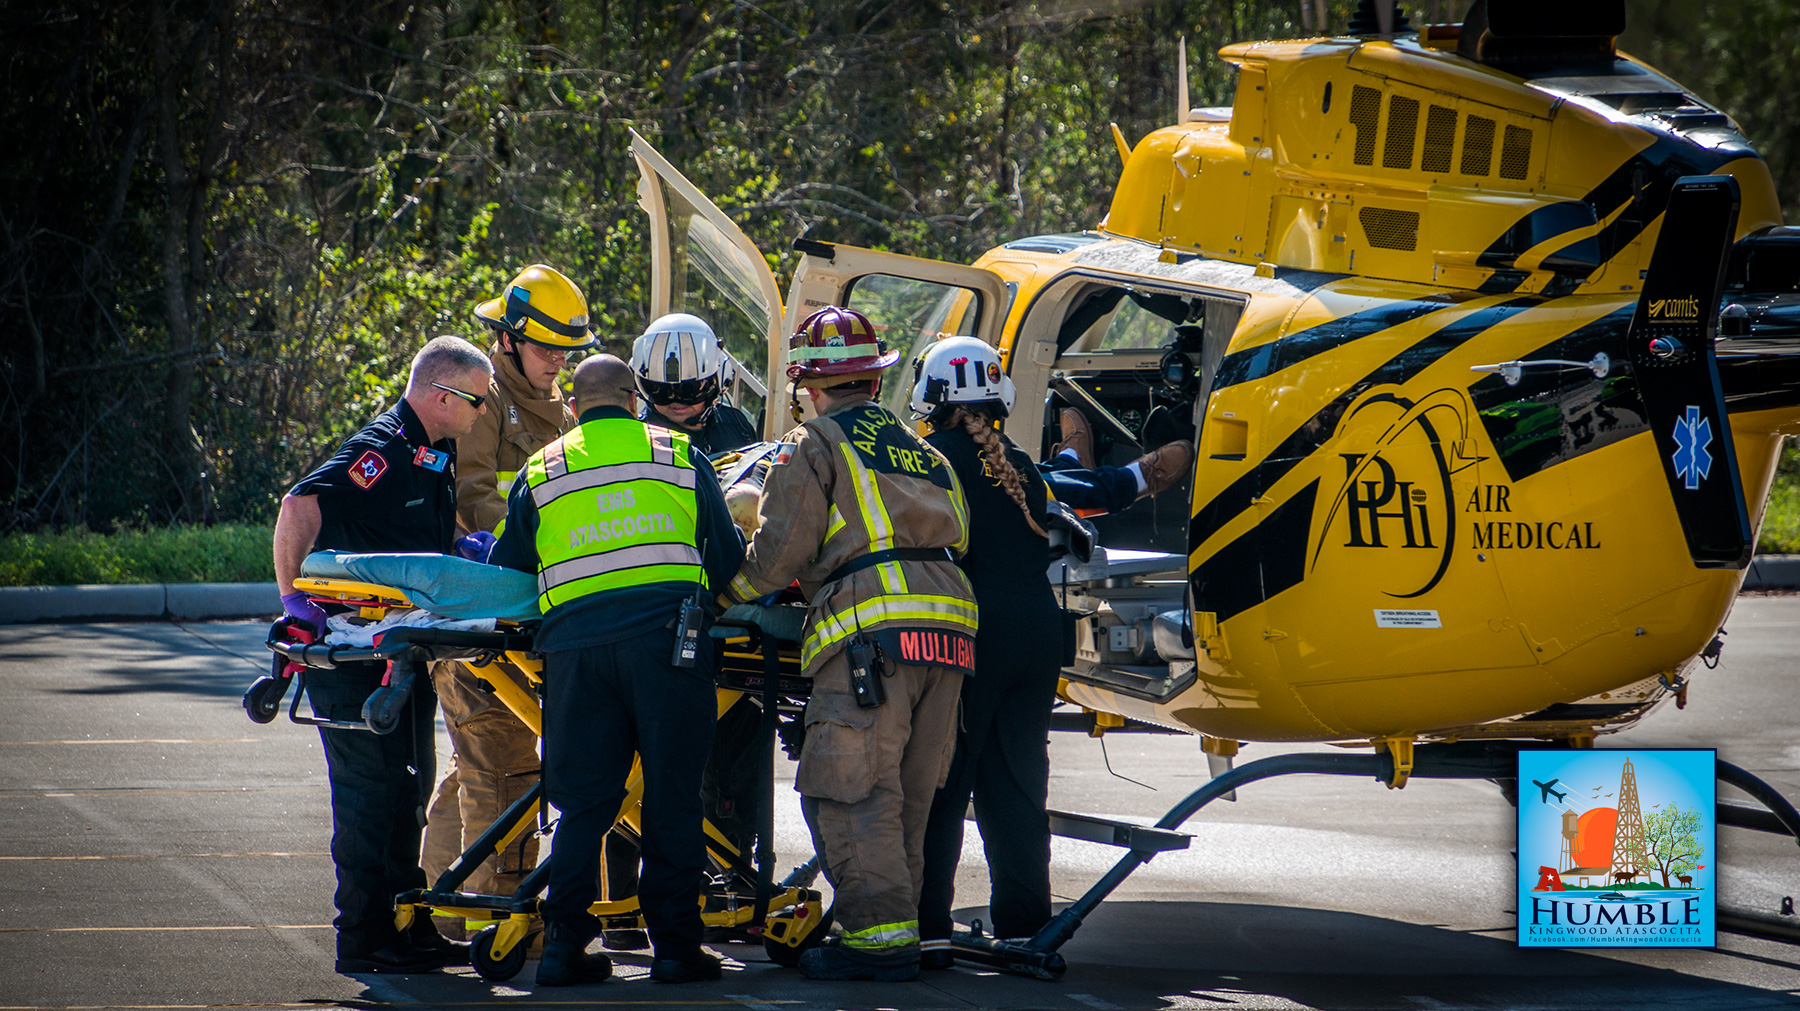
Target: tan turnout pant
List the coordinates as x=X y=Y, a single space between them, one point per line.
x=867 y=778
x=494 y=762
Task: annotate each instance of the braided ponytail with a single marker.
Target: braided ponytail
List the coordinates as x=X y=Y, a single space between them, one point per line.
x=993 y=450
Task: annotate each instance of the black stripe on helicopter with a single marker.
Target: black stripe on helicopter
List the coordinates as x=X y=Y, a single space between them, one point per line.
x=1316 y=431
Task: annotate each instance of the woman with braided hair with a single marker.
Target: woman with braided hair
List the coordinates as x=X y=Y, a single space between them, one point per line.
x=1002 y=755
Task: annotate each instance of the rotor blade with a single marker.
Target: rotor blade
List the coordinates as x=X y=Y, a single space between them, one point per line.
x=1181 y=84
x=1670 y=345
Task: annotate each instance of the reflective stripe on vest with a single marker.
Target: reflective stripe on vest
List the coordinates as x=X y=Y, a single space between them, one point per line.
x=616 y=509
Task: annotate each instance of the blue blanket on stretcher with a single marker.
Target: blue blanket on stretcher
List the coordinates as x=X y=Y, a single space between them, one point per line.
x=442 y=584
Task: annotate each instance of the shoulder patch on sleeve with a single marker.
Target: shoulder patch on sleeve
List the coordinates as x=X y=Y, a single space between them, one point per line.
x=368 y=469
x=784 y=454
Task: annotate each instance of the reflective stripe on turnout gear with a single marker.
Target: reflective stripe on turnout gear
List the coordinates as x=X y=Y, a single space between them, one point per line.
x=832 y=629
x=884 y=935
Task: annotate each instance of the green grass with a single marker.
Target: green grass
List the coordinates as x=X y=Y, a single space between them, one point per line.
x=220 y=554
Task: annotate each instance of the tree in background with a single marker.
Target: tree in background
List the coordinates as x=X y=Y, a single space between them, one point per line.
x=227 y=224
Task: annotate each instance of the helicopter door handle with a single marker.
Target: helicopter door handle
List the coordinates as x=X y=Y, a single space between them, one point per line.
x=1599 y=365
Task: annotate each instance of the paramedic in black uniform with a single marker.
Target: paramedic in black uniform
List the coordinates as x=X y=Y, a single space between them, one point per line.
x=390 y=487
x=1002 y=756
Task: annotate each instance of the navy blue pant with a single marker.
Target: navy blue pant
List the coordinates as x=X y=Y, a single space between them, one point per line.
x=601 y=704
x=1112 y=489
x=1003 y=760
x=380 y=786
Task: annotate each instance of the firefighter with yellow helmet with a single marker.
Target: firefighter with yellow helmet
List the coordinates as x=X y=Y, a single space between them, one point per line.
x=868 y=518
x=538 y=319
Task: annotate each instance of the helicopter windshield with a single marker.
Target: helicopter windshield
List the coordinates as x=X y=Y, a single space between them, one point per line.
x=713 y=279
x=704 y=264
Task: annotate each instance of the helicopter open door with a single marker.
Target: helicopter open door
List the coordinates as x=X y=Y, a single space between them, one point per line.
x=704 y=264
x=911 y=301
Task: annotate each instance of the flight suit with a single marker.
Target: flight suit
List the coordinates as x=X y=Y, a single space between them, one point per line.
x=867 y=518
x=1002 y=756
x=726 y=428
x=494 y=756
x=387 y=488
x=732 y=788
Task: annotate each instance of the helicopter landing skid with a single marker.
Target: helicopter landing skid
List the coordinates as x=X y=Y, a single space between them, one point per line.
x=1039 y=957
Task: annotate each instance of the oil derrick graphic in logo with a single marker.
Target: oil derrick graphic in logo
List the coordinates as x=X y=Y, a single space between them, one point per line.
x=1629 y=862
x=1393 y=515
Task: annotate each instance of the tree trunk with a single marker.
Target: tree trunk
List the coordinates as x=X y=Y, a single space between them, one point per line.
x=178 y=389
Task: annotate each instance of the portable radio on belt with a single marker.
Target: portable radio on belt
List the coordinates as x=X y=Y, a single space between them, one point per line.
x=687 y=634
x=865 y=673
x=690 y=627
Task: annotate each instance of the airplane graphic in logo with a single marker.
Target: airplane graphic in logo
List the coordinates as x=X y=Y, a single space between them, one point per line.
x=1545 y=787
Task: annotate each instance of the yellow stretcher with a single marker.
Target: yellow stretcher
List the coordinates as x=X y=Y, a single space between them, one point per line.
x=756 y=669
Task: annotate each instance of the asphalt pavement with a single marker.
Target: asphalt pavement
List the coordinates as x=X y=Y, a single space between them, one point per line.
x=160 y=851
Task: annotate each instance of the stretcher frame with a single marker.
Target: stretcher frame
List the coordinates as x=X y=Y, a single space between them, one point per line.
x=788 y=916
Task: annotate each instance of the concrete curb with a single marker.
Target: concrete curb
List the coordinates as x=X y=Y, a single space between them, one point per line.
x=203 y=601
x=138 y=602
x=1773 y=572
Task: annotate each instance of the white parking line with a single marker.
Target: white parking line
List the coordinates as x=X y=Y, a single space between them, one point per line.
x=1094 y=1002
x=751 y=1001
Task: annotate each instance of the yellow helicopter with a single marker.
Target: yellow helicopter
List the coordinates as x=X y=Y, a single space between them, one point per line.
x=1488 y=337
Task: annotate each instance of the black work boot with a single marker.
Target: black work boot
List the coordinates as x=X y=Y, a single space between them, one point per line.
x=839 y=962
x=423 y=933
x=694 y=968
x=566 y=960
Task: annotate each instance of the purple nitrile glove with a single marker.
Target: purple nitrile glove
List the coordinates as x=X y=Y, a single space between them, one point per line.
x=476 y=546
x=298 y=605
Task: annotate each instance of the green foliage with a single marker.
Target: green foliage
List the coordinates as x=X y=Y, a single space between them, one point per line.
x=1780 y=533
x=218 y=554
x=236 y=220
x=1672 y=841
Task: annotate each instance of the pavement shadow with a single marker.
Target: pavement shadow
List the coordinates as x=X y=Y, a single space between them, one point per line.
x=213 y=661
x=1167 y=953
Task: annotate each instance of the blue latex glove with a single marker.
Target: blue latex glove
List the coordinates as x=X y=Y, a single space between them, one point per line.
x=297 y=605
x=476 y=546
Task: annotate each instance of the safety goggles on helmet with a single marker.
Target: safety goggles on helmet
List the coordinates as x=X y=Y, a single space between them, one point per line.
x=960 y=370
x=543 y=307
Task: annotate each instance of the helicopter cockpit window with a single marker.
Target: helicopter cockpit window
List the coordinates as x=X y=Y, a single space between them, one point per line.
x=1134 y=362
x=910 y=314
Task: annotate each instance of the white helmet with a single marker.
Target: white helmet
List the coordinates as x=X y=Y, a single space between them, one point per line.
x=678 y=360
x=960 y=370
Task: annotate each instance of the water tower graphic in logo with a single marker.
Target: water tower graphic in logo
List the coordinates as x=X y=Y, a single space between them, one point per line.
x=1616 y=848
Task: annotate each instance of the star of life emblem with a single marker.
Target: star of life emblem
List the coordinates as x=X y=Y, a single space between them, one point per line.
x=1692 y=460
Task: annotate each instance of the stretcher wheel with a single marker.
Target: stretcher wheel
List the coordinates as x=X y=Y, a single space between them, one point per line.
x=262 y=703
x=481 y=956
x=788 y=956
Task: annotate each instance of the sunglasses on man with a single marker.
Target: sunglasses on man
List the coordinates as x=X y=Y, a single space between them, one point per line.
x=474 y=401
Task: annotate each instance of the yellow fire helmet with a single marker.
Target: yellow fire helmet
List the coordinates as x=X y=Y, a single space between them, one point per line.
x=543 y=307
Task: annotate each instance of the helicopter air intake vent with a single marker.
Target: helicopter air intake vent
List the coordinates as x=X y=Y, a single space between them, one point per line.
x=1388 y=228
x=1478 y=147
x=1440 y=139
x=1403 y=129
x=1365 y=115
x=1515 y=153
